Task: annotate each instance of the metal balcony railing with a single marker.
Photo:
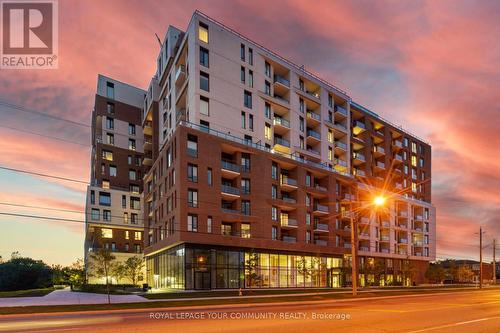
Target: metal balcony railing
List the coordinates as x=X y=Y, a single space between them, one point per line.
x=230 y=190
x=282 y=80
x=227 y=165
x=281 y=141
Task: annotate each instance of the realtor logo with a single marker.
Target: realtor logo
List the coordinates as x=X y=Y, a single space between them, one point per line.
x=29 y=34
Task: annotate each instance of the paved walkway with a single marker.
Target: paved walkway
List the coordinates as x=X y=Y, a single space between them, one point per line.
x=66 y=296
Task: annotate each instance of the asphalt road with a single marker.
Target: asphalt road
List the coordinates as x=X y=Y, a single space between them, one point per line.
x=452 y=312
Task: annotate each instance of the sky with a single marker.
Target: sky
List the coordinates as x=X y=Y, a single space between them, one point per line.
x=430 y=66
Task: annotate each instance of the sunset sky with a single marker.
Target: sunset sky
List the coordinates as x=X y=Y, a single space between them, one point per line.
x=433 y=67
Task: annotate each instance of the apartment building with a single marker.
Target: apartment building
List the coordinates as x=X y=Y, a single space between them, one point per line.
x=256 y=172
x=114 y=218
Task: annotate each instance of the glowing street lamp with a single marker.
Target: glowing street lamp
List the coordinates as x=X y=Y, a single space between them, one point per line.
x=379 y=201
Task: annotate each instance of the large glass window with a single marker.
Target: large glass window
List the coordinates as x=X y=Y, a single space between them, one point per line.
x=192 y=222
x=104 y=199
x=204 y=57
x=204 y=81
x=203 y=32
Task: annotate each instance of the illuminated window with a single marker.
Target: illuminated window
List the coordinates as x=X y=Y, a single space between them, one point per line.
x=127 y=234
x=125 y=218
x=137 y=235
x=245 y=230
x=274 y=213
x=107 y=155
x=413 y=160
x=107 y=233
x=330 y=136
x=414 y=187
x=105 y=184
x=330 y=153
x=203 y=32
x=413 y=147
x=267 y=132
x=112 y=171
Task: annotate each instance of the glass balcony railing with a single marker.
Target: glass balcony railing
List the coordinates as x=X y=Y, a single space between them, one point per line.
x=340 y=162
x=287 y=222
x=313 y=115
x=289 y=239
x=282 y=80
x=230 y=190
x=281 y=142
x=358 y=156
x=313 y=134
x=341 y=110
x=379 y=149
x=321 y=242
x=285 y=180
x=282 y=122
x=227 y=165
x=321 y=208
x=341 y=145
x=321 y=227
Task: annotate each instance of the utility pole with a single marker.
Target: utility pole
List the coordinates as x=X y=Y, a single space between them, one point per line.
x=480 y=258
x=494 y=263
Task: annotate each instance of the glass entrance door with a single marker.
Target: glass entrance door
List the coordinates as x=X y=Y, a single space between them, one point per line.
x=201 y=280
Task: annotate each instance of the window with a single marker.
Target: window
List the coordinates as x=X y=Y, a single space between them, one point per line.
x=267 y=131
x=245 y=230
x=274 y=233
x=330 y=136
x=245 y=207
x=192 y=173
x=203 y=32
x=126 y=247
x=137 y=235
x=92 y=197
x=106 y=233
x=245 y=162
x=414 y=187
x=301 y=84
x=308 y=218
x=301 y=105
x=267 y=69
x=95 y=214
x=267 y=110
x=137 y=248
x=105 y=184
x=134 y=218
x=413 y=160
x=110 y=108
x=203 y=56
x=135 y=203
x=301 y=142
x=242 y=74
x=245 y=185
x=125 y=218
x=330 y=100
x=110 y=123
x=413 y=147
x=192 y=198
x=131 y=144
x=209 y=224
x=405 y=142
x=110 y=90
x=124 y=201
x=192 y=222
x=274 y=191
x=247 y=99
x=106 y=215
x=301 y=124
x=250 y=56
x=127 y=234
x=242 y=52
x=274 y=213
x=330 y=154
x=274 y=170
x=107 y=155
x=131 y=129
x=204 y=81
x=104 y=199
x=250 y=79
x=421 y=162
x=267 y=88
x=205 y=125
x=308 y=179
x=129 y=160
x=112 y=171
x=243 y=120
x=308 y=236
x=209 y=177
x=204 y=110
x=132 y=175
x=134 y=188
x=192 y=145
x=110 y=139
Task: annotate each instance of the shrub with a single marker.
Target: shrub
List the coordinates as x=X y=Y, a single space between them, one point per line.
x=24 y=273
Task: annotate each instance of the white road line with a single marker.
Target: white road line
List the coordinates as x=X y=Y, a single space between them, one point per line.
x=454 y=324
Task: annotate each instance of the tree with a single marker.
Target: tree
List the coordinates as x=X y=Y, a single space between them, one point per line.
x=407 y=271
x=465 y=274
x=58 y=275
x=101 y=264
x=435 y=273
x=303 y=268
x=24 y=273
x=118 y=270
x=377 y=268
x=252 y=270
x=133 y=269
x=75 y=274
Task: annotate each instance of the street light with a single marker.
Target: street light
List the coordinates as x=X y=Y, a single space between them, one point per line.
x=378 y=201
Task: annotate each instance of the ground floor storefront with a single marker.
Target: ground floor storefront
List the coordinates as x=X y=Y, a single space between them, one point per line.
x=197 y=267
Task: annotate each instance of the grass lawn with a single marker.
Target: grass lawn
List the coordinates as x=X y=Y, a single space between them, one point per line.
x=26 y=293
x=215 y=301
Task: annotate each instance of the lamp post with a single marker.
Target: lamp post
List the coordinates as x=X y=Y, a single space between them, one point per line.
x=378 y=201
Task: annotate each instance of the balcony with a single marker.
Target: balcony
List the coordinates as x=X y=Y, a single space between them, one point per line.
x=341 y=127
x=364 y=248
x=340 y=111
x=289 y=239
x=227 y=190
x=397 y=144
x=418 y=243
x=385 y=224
x=358 y=127
x=347 y=245
x=378 y=151
x=380 y=165
x=359 y=172
x=289 y=200
x=339 y=145
x=192 y=152
x=418 y=218
x=288 y=223
x=281 y=145
x=403 y=213
x=230 y=211
x=180 y=74
x=321 y=242
x=365 y=235
x=278 y=121
x=402 y=252
x=287 y=182
x=321 y=209
x=229 y=169
x=148 y=159
x=313 y=116
x=321 y=227
x=148 y=144
x=384 y=251
x=278 y=79
x=340 y=162
x=148 y=128
x=403 y=241
x=319 y=188
x=312 y=134
x=348 y=197
x=364 y=220
x=398 y=158
x=402 y=225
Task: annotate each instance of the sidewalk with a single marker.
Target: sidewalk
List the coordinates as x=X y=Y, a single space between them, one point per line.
x=67 y=297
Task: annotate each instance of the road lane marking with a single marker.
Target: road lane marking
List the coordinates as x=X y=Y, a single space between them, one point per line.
x=454 y=324
x=56 y=323
x=387 y=310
